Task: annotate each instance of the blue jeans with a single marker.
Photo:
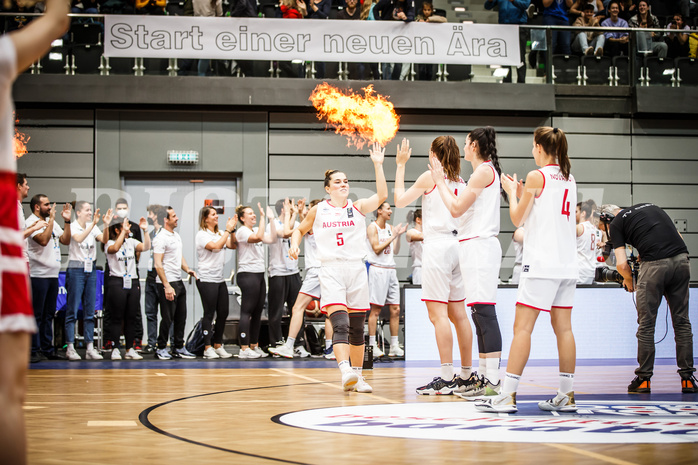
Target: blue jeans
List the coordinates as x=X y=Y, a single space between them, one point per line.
x=80 y=286
x=561 y=39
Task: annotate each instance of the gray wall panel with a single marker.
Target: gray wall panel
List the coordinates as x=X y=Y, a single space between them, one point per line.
x=691 y=240
x=57 y=139
x=70 y=165
x=665 y=171
x=665 y=126
x=579 y=125
x=676 y=196
x=599 y=146
x=222 y=136
x=55 y=117
x=62 y=190
x=664 y=148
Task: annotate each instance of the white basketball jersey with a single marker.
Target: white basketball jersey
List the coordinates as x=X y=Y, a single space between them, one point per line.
x=482 y=218
x=311 y=258
x=340 y=232
x=437 y=222
x=416 y=253
x=586 y=251
x=385 y=258
x=550 y=246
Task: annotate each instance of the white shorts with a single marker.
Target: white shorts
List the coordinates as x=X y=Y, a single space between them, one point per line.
x=311 y=283
x=441 y=277
x=480 y=260
x=417 y=275
x=344 y=283
x=544 y=293
x=383 y=286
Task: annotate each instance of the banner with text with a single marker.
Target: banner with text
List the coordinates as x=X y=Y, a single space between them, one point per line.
x=310 y=40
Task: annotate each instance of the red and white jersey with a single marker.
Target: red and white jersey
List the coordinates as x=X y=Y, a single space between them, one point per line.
x=550 y=245
x=340 y=232
x=416 y=253
x=311 y=257
x=385 y=258
x=482 y=218
x=437 y=221
x=586 y=251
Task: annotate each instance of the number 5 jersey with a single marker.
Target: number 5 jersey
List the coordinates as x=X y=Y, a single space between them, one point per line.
x=340 y=232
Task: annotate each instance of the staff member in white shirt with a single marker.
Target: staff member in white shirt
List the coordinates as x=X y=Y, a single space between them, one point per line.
x=168 y=258
x=124 y=287
x=210 y=255
x=81 y=278
x=44 y=265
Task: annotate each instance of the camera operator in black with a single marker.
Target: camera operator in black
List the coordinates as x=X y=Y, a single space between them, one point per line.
x=664 y=271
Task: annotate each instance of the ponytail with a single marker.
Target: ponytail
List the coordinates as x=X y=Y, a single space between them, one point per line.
x=486 y=139
x=240 y=211
x=554 y=142
x=447 y=152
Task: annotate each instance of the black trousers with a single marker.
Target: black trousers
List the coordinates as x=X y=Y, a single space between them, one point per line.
x=282 y=290
x=254 y=292
x=172 y=311
x=214 y=298
x=44 y=294
x=125 y=305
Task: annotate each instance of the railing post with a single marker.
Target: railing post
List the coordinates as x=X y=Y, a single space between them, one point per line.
x=549 y=56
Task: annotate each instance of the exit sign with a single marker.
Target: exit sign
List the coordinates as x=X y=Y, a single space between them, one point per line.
x=183 y=157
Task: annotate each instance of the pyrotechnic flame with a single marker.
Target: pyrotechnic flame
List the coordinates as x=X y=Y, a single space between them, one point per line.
x=363 y=119
x=20 y=142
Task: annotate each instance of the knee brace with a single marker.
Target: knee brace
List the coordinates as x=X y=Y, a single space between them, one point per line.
x=487 y=326
x=340 y=327
x=356 y=328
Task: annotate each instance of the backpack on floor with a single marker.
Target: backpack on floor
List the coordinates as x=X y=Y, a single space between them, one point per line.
x=195 y=341
x=312 y=341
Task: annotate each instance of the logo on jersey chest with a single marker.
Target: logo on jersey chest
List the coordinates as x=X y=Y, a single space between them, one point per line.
x=350 y=212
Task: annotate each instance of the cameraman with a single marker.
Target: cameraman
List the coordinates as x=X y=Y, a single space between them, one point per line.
x=664 y=271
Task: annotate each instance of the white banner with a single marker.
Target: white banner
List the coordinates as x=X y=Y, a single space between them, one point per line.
x=310 y=40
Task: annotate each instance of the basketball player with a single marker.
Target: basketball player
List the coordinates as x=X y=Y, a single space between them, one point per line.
x=442 y=286
x=480 y=254
x=587 y=237
x=383 y=285
x=339 y=226
x=415 y=238
x=549 y=268
x=18 y=50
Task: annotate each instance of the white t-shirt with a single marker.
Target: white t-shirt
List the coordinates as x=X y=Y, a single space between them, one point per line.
x=170 y=245
x=123 y=262
x=279 y=262
x=85 y=250
x=44 y=261
x=250 y=256
x=210 y=263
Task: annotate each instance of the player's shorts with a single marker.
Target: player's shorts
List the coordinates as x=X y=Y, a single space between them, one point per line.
x=311 y=283
x=544 y=293
x=480 y=260
x=417 y=275
x=383 y=286
x=441 y=276
x=344 y=283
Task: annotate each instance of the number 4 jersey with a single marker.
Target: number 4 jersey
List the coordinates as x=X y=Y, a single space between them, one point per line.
x=550 y=238
x=340 y=233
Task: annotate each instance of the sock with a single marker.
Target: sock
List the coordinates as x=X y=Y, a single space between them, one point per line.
x=344 y=366
x=482 y=367
x=465 y=372
x=71 y=346
x=447 y=371
x=357 y=370
x=290 y=341
x=90 y=346
x=372 y=341
x=394 y=342
x=511 y=383
x=328 y=344
x=566 y=382
x=493 y=370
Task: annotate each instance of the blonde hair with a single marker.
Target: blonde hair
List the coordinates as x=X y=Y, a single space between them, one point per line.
x=554 y=142
x=240 y=211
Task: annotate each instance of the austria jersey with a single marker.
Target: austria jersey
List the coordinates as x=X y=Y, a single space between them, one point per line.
x=311 y=258
x=385 y=258
x=550 y=246
x=482 y=218
x=416 y=253
x=586 y=252
x=437 y=221
x=340 y=232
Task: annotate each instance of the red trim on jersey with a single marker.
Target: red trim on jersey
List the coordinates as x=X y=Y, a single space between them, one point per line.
x=552 y=164
x=431 y=190
x=328 y=202
x=494 y=173
x=310 y=295
x=541 y=189
x=482 y=303
x=360 y=212
x=437 y=301
x=555 y=306
x=463 y=240
x=534 y=308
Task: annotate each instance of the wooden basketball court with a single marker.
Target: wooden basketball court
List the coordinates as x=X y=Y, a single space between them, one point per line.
x=200 y=412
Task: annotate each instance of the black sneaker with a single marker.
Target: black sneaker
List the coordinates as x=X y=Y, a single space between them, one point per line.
x=148 y=350
x=689 y=385
x=438 y=387
x=471 y=387
x=639 y=386
x=35 y=358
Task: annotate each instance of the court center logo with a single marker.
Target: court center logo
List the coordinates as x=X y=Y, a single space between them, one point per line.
x=600 y=422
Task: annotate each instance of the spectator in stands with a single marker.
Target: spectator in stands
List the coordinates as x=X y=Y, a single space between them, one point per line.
x=150 y=7
x=555 y=14
x=425 y=72
x=44 y=265
x=514 y=12
x=627 y=9
x=693 y=45
x=577 y=8
x=351 y=11
x=394 y=10
x=647 y=41
x=87 y=7
x=244 y=9
x=588 y=42
x=319 y=9
x=207 y=8
x=367 y=9
x=677 y=42
x=616 y=42
x=293 y=9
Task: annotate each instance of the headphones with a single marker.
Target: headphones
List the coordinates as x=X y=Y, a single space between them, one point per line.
x=606 y=217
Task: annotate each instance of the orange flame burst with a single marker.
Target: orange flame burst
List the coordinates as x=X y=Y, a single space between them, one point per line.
x=20 y=142
x=363 y=119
